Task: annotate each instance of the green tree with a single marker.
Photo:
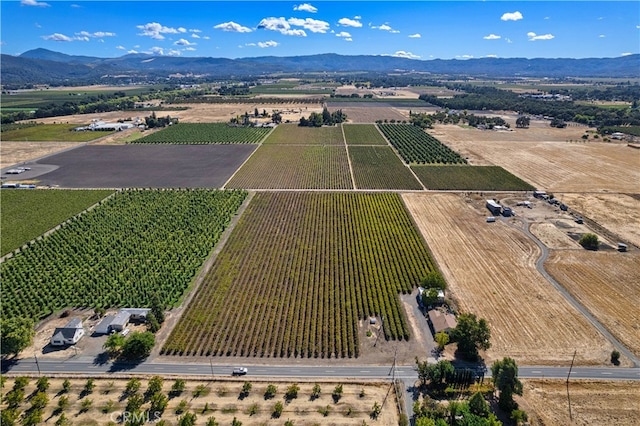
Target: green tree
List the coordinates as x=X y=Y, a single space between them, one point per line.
x=442 y=339
x=434 y=280
x=177 y=388
x=430 y=297
x=211 y=421
x=16 y=334
x=134 y=402
x=39 y=400
x=114 y=343
x=133 y=386
x=589 y=241
x=277 y=409
x=42 y=384
x=63 y=403
x=523 y=122
x=158 y=402
x=152 y=323
x=478 y=405
x=375 y=410
x=315 y=392
x=246 y=388
x=292 y=392
x=615 y=357
x=270 y=392
x=155 y=386
x=62 y=421
x=437 y=373
x=471 y=335
x=337 y=393
x=157 y=309
x=187 y=419
x=89 y=386
x=138 y=345
x=505 y=378
x=66 y=386
x=519 y=416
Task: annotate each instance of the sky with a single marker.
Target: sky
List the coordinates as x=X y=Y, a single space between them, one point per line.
x=235 y=29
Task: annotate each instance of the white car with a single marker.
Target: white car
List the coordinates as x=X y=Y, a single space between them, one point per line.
x=240 y=371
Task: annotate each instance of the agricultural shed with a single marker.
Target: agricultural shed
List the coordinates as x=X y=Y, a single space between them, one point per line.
x=70 y=334
x=120 y=321
x=442 y=321
x=137 y=314
x=494 y=207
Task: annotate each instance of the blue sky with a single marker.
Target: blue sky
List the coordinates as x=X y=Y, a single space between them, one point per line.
x=235 y=29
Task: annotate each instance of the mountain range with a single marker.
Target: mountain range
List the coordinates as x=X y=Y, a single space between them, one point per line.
x=42 y=66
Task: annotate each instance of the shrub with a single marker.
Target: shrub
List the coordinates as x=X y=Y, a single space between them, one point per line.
x=589 y=241
x=270 y=392
x=277 y=410
x=615 y=357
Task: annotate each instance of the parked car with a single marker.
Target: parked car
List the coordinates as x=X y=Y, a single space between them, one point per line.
x=240 y=371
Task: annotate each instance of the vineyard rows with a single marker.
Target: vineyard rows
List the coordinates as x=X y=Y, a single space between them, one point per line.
x=416 y=146
x=205 y=133
x=378 y=167
x=294 y=134
x=134 y=244
x=470 y=178
x=298 y=273
x=362 y=134
x=295 y=167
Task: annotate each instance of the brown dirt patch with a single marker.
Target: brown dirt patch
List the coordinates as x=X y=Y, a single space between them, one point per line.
x=606 y=283
x=490 y=270
x=223 y=402
x=592 y=402
x=372 y=114
x=619 y=213
x=18 y=152
x=544 y=156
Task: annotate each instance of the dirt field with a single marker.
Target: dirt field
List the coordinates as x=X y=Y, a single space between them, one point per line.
x=369 y=114
x=550 y=159
x=18 y=152
x=592 y=402
x=619 y=213
x=224 y=403
x=606 y=283
x=490 y=270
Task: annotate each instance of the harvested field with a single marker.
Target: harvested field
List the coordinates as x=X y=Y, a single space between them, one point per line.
x=378 y=167
x=146 y=166
x=544 y=157
x=469 y=178
x=618 y=213
x=295 y=167
x=220 y=399
x=19 y=152
x=592 y=402
x=362 y=134
x=370 y=113
x=490 y=270
x=607 y=284
x=299 y=272
x=294 y=134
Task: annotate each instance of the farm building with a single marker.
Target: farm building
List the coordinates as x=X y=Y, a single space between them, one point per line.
x=442 y=321
x=103 y=326
x=137 y=314
x=494 y=207
x=118 y=322
x=507 y=212
x=70 y=334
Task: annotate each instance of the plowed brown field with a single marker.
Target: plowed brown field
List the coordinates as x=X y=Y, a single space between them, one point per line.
x=543 y=157
x=607 y=284
x=592 y=402
x=490 y=270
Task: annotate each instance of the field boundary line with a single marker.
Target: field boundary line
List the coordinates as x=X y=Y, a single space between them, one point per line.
x=177 y=313
x=224 y=185
x=346 y=146
x=404 y=163
x=544 y=254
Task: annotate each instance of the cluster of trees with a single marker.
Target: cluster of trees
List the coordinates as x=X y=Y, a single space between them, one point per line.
x=154 y=121
x=491 y=98
x=325 y=118
x=16 y=334
x=426 y=121
x=589 y=241
x=432 y=284
x=471 y=334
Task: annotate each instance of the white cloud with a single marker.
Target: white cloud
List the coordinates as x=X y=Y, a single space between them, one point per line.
x=76 y=6
x=281 y=25
x=232 y=27
x=511 y=16
x=626 y=54
x=121 y=48
x=132 y=51
x=492 y=37
x=464 y=56
x=416 y=35
x=346 y=22
x=162 y=52
x=194 y=35
x=57 y=37
x=265 y=44
x=100 y=34
x=403 y=54
x=194 y=30
x=343 y=34
x=385 y=27
x=183 y=42
x=533 y=36
x=601 y=36
x=190 y=49
x=305 y=7
x=491 y=56
x=155 y=30
x=34 y=3
x=313 y=25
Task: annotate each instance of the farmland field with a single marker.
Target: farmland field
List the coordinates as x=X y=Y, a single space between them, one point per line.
x=294 y=167
x=51 y=133
x=362 y=134
x=470 y=178
x=606 y=283
x=416 y=146
x=294 y=134
x=205 y=133
x=368 y=112
x=28 y=214
x=133 y=245
x=593 y=402
x=298 y=272
x=378 y=167
x=490 y=270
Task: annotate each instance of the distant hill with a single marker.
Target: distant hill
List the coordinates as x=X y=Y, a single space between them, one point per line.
x=44 y=66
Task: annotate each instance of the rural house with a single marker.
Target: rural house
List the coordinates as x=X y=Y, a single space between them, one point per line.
x=70 y=334
x=442 y=321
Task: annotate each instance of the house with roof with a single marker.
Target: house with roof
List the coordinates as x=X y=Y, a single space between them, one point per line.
x=442 y=321
x=70 y=334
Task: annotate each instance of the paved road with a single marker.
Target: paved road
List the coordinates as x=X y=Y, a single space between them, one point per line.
x=404 y=372
x=572 y=300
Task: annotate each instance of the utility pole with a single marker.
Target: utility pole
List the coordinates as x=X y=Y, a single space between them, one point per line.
x=211 y=365
x=37 y=365
x=569 y=375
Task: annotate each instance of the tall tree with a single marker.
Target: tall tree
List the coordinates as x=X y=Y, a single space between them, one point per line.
x=16 y=334
x=505 y=377
x=471 y=335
